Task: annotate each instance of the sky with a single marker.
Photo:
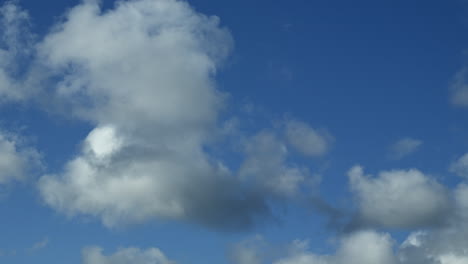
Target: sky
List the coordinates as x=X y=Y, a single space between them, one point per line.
x=233 y=132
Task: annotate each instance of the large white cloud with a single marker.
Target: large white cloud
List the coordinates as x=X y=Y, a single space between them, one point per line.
x=143 y=74
x=399 y=198
x=94 y=255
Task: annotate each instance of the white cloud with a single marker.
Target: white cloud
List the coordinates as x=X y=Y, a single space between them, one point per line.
x=399 y=198
x=306 y=140
x=94 y=255
x=459 y=88
x=404 y=147
x=460 y=166
x=266 y=166
x=143 y=74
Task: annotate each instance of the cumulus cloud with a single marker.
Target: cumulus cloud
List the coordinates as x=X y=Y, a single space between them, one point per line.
x=94 y=255
x=306 y=140
x=17 y=161
x=404 y=147
x=122 y=185
x=459 y=88
x=143 y=74
x=460 y=166
x=399 y=198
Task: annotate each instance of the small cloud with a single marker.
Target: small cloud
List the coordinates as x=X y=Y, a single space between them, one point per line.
x=40 y=245
x=307 y=140
x=459 y=89
x=460 y=166
x=404 y=147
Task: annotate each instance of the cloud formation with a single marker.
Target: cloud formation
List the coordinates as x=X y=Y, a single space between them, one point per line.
x=94 y=255
x=363 y=247
x=142 y=73
x=404 y=147
x=399 y=198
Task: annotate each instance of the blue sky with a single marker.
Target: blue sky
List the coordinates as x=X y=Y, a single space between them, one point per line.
x=282 y=132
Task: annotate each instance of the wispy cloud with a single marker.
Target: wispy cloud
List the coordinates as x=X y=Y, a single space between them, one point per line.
x=40 y=244
x=404 y=147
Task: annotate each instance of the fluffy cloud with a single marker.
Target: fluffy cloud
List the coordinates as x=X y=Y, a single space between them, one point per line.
x=459 y=88
x=399 y=198
x=306 y=140
x=441 y=246
x=124 y=183
x=143 y=74
x=17 y=161
x=460 y=166
x=94 y=255
x=404 y=147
